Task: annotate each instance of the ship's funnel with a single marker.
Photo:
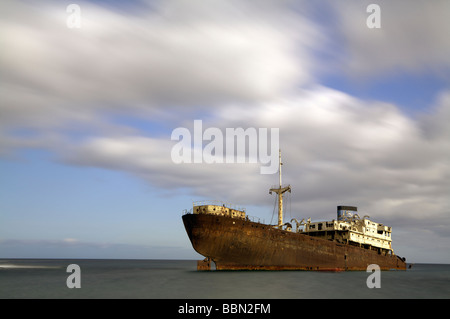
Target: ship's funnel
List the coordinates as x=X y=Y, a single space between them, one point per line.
x=346 y=212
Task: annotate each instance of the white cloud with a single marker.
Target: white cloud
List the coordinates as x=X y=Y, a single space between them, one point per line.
x=171 y=56
x=336 y=150
x=412 y=37
x=166 y=56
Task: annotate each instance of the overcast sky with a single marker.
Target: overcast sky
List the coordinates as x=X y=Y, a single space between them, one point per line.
x=86 y=117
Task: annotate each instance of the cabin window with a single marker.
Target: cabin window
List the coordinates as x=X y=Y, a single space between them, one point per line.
x=320 y=226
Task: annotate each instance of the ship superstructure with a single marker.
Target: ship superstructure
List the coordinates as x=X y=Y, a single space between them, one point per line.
x=350 y=229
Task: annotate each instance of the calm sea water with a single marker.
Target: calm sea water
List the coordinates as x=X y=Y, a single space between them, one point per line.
x=178 y=279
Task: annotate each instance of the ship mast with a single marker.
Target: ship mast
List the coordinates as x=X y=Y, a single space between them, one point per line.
x=280 y=190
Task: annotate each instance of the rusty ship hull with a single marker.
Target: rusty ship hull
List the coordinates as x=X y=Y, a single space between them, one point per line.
x=239 y=244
